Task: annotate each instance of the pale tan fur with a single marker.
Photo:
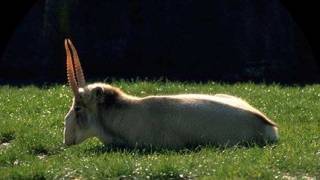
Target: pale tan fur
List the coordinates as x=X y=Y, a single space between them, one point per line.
x=168 y=121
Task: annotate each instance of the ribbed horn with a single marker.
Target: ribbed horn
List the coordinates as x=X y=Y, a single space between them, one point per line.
x=77 y=65
x=70 y=70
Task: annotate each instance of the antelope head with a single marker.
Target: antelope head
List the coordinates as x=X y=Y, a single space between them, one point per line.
x=78 y=121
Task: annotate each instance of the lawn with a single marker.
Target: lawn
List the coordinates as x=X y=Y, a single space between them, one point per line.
x=31 y=134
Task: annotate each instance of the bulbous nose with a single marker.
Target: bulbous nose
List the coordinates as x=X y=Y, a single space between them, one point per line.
x=67 y=142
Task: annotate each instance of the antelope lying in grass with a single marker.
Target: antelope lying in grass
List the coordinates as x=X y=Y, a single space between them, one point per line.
x=171 y=121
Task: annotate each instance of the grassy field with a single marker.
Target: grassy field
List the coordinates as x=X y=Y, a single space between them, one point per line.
x=31 y=133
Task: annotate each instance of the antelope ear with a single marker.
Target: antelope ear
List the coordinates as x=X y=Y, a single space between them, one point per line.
x=108 y=97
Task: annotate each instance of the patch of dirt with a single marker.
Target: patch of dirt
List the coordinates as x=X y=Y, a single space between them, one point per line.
x=42 y=156
x=40 y=151
x=5 y=139
x=4 y=145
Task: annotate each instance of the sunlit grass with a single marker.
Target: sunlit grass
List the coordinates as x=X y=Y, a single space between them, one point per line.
x=31 y=132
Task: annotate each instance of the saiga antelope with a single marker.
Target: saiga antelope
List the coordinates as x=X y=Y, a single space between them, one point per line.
x=168 y=121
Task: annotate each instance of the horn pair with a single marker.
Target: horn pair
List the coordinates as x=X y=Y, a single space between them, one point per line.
x=74 y=71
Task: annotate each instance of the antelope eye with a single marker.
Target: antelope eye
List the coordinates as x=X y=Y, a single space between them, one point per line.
x=77 y=108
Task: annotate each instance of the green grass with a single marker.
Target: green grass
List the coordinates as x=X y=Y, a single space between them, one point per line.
x=31 y=133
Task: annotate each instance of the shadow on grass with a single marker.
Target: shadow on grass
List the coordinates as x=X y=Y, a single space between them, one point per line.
x=40 y=150
x=100 y=149
x=6 y=137
x=36 y=176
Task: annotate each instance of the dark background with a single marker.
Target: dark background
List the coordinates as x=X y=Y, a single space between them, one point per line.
x=304 y=14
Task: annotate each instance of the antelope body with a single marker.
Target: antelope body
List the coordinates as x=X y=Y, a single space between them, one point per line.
x=173 y=121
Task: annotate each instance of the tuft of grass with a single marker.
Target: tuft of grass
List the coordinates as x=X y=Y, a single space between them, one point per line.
x=7 y=136
x=31 y=133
